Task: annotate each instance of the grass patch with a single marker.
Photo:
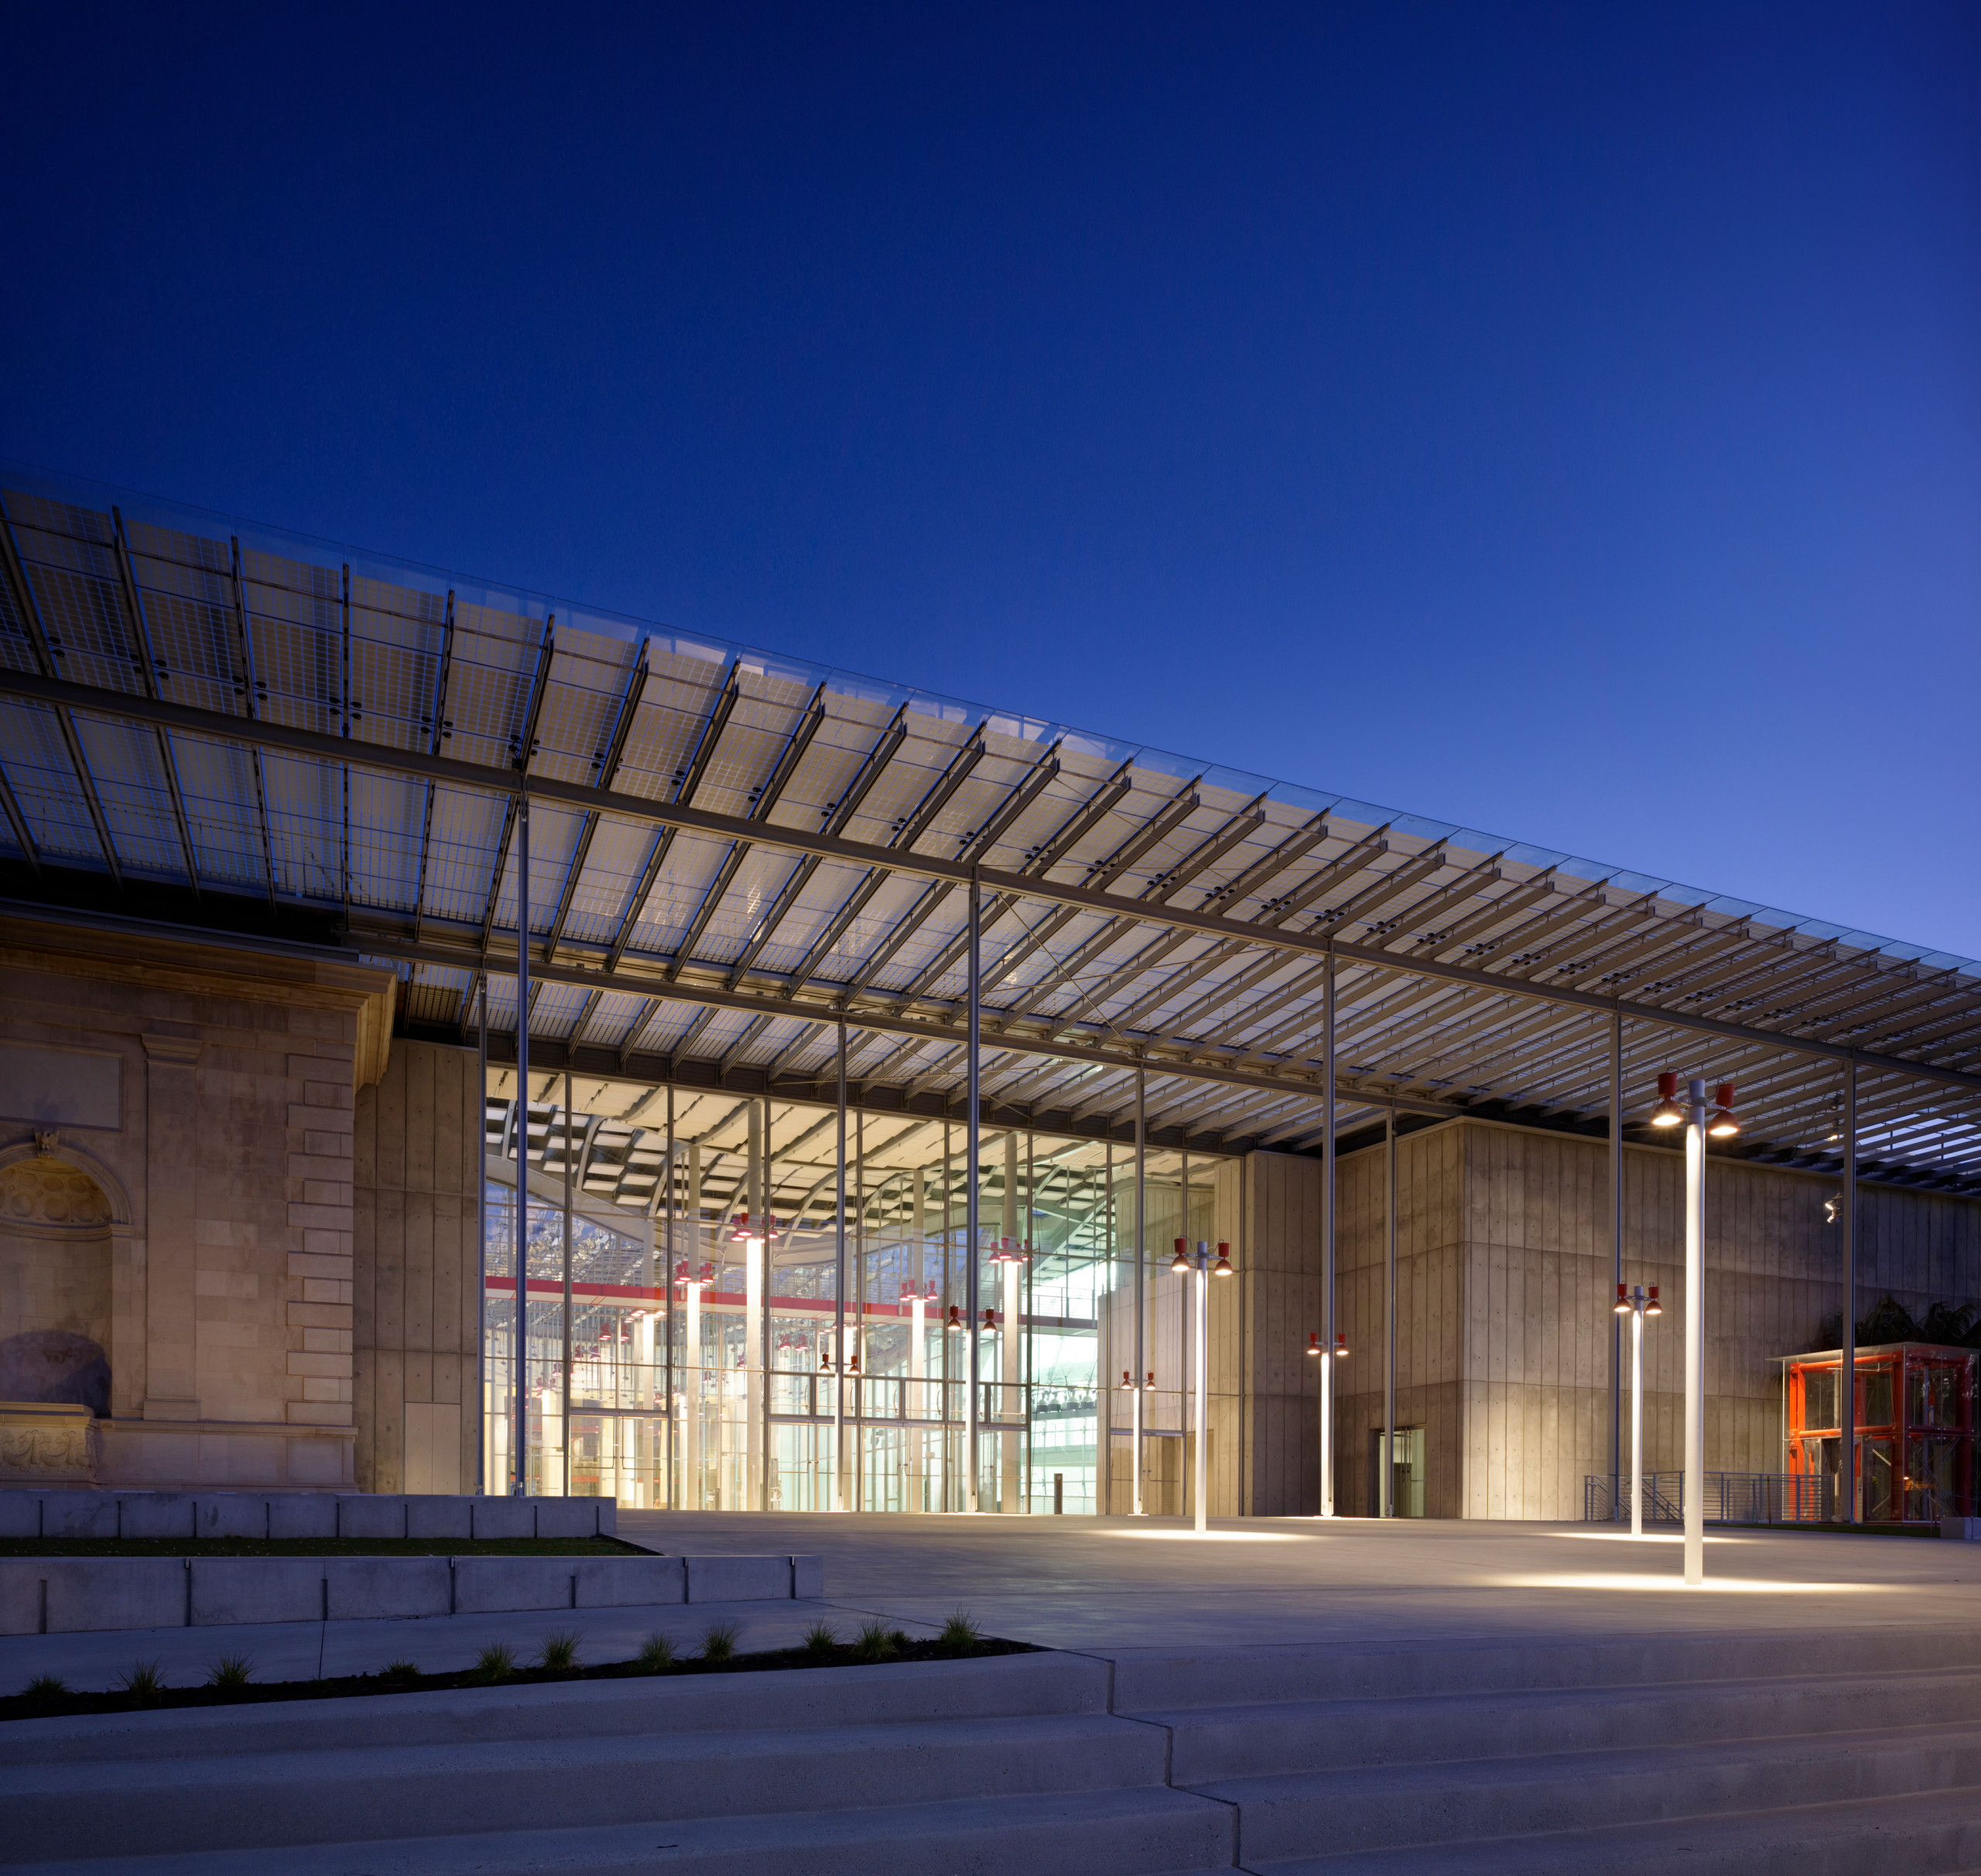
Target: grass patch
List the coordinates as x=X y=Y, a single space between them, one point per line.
x=46 y=1696
x=559 y=1654
x=317 y=1547
x=718 y=1642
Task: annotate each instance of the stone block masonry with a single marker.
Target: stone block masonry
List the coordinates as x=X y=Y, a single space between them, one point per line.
x=207 y=1098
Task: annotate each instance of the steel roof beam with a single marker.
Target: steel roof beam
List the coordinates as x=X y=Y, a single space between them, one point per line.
x=605 y=769
x=29 y=608
x=1020 y=885
x=252 y=690
x=522 y=746
x=144 y=655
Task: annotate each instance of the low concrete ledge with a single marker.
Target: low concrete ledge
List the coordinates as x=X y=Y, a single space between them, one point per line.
x=1968 y=1528
x=83 y=1512
x=69 y=1595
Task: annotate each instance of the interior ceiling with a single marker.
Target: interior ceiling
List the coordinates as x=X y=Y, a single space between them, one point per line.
x=205 y=725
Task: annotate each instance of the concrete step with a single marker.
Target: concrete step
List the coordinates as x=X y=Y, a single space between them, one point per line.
x=1937 y=1834
x=1381 y=1807
x=110 y=1808
x=1154 y=1832
x=1162 y=1680
x=1213 y=1743
x=1003 y=1685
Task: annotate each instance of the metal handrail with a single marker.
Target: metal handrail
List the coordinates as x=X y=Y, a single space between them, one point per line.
x=1730 y=1497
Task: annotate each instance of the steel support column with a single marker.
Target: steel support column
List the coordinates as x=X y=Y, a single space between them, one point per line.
x=1846 y=1379
x=1141 y=1281
x=840 y=1502
x=518 y=1475
x=1616 y=1248
x=564 y=1408
x=972 y=1148
x=481 y=1245
x=1386 y=1470
x=1328 y=1377
x=1694 y=1454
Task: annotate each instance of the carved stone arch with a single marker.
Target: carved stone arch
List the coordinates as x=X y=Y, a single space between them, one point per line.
x=57 y=1306
x=61 y=1153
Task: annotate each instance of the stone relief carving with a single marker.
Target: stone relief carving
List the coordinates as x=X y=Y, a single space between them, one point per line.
x=45 y=1445
x=43 y=1191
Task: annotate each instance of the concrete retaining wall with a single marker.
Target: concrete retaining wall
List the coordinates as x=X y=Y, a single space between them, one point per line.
x=84 y=1513
x=65 y=1595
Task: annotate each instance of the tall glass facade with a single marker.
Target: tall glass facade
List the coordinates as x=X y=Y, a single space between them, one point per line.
x=722 y=1313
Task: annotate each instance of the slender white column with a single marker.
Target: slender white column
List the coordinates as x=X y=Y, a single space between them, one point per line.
x=691 y=1398
x=1695 y=1336
x=918 y=1390
x=1636 y=1422
x=756 y=1489
x=1141 y=1306
x=1327 y=1432
x=1200 y=1383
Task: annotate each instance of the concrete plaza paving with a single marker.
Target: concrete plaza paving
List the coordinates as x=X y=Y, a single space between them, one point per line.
x=1106 y=1583
x=1117 y=1586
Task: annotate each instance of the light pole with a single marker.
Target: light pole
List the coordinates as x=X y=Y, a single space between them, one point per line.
x=1637 y=1304
x=1183 y=1263
x=1699 y=1118
x=1327 y=1357
x=1136 y=1392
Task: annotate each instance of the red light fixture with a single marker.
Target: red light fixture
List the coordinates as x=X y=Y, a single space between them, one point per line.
x=1653 y=1307
x=1723 y=1126
x=1623 y=1300
x=1667 y=1113
x=1223 y=1267
x=1314 y=1344
x=1180 y=1263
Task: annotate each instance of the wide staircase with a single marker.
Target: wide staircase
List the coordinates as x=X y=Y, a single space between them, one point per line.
x=1731 y=1754
x=1818 y=1754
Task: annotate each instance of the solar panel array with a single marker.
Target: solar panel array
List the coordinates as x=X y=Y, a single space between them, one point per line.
x=1144 y=914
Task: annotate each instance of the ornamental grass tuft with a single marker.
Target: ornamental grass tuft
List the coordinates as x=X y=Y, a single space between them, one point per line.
x=496 y=1663
x=656 y=1654
x=718 y=1641
x=231 y=1673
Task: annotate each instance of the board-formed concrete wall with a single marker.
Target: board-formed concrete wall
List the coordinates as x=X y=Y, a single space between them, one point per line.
x=1504 y=1283
x=204 y=1094
x=417 y=1161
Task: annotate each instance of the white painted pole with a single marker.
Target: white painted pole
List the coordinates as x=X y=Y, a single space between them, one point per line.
x=1636 y=1422
x=1695 y=1336
x=1200 y=1381
x=691 y=1395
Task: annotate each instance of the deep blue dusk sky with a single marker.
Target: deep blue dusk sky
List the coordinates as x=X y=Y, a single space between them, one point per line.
x=1564 y=421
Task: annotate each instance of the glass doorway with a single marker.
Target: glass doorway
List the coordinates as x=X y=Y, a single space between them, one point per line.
x=1406 y=1472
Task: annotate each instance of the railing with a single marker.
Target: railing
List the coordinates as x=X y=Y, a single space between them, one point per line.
x=1731 y=1497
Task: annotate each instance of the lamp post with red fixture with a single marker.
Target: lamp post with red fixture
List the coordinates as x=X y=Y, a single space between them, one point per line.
x=1699 y=1118
x=1637 y=1304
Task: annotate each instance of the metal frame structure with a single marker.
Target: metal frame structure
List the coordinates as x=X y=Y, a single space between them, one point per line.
x=688 y=864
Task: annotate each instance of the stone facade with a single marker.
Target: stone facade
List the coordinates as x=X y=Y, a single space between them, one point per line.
x=416 y=1368
x=176 y=1198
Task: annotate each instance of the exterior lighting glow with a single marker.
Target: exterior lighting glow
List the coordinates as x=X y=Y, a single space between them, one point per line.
x=1667 y=1113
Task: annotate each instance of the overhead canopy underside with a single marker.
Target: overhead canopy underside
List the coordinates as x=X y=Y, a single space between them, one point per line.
x=207 y=724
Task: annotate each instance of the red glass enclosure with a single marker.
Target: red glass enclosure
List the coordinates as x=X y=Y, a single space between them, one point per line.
x=1915 y=1429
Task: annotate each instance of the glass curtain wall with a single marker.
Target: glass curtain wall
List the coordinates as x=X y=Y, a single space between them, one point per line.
x=735 y=1340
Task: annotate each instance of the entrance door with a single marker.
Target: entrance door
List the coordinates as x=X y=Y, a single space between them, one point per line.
x=1406 y=1472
